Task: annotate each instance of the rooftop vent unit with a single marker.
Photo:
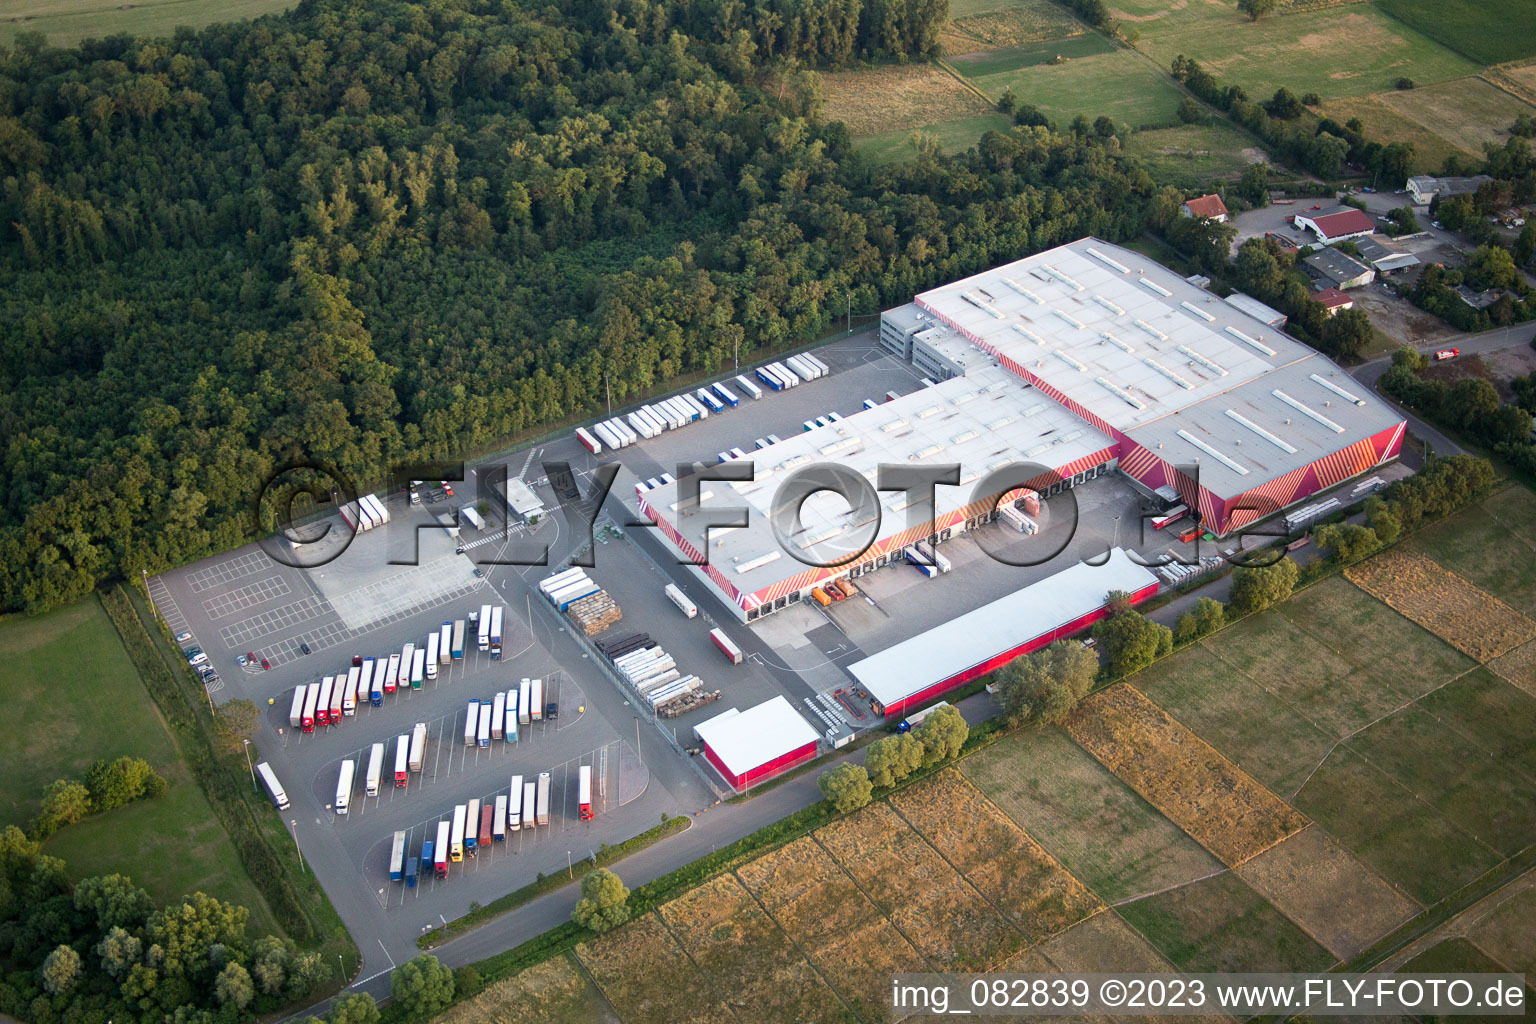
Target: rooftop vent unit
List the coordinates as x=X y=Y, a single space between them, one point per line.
x=1147 y=282
x=1160 y=368
x=1063 y=278
x=1202 y=314
x=1250 y=341
x=1107 y=261
x=1216 y=368
x=1120 y=393
x=1079 y=367
x=1266 y=435
x=1331 y=386
x=1031 y=296
x=1159 y=335
x=1101 y=300
x=1307 y=410
x=1232 y=464
x=1068 y=318
x=1031 y=335
x=1122 y=346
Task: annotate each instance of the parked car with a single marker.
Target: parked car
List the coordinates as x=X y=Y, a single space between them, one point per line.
x=551 y=711
x=265 y=664
x=198 y=659
x=242 y=660
x=446 y=489
x=182 y=638
x=357 y=661
x=479 y=572
x=1446 y=353
x=304 y=647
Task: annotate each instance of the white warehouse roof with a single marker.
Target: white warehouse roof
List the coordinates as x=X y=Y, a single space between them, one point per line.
x=951 y=648
x=751 y=738
x=983 y=420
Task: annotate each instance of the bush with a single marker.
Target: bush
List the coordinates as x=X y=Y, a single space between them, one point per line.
x=422 y=987
x=115 y=783
x=467 y=981
x=846 y=787
x=1205 y=618
x=604 y=902
x=1403 y=84
x=1255 y=588
x=1349 y=542
x=64 y=803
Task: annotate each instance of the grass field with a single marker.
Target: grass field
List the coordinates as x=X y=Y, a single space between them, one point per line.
x=1466 y=112
x=1508 y=931
x=1120 y=85
x=1492 y=544
x=746 y=959
x=554 y=992
x=1192 y=156
x=1220 y=924
x=1089 y=820
x=923 y=895
x=1349 y=50
x=955 y=136
x=1406 y=840
x=1337 y=900
x=842 y=933
x=978 y=24
x=1497 y=804
x=648 y=978
x=66 y=22
x=1262 y=734
x=1468 y=618
x=1334 y=694
x=1386 y=125
x=1357 y=627
x=1025 y=55
x=895 y=98
x=1518 y=667
x=1487 y=31
x=1498 y=717
x=74 y=697
x=1222 y=807
x=996 y=856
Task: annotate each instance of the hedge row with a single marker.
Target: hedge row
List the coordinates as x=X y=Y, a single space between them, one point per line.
x=549 y=883
x=224 y=792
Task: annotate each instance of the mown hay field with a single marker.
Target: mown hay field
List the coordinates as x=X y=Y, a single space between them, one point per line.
x=921 y=892
x=841 y=932
x=996 y=855
x=647 y=977
x=553 y=992
x=1467 y=617
x=989 y=23
x=1226 y=810
x=1221 y=924
x=748 y=962
x=1334 y=897
x=886 y=99
x=1261 y=733
x=1407 y=840
x=1089 y=820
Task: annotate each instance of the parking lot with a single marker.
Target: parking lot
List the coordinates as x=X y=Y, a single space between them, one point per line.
x=380 y=589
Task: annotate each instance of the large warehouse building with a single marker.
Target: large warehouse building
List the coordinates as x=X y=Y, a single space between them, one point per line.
x=1130 y=367
x=902 y=678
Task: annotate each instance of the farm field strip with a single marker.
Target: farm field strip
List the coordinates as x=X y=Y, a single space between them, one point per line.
x=647 y=977
x=553 y=992
x=1469 y=618
x=1335 y=898
x=1518 y=667
x=995 y=855
x=1093 y=823
x=923 y=895
x=843 y=934
x=899 y=98
x=1489 y=545
x=1222 y=807
x=747 y=960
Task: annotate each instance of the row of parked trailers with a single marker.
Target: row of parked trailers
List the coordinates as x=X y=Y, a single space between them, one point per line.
x=680 y=410
x=498 y=717
x=566 y=587
x=410 y=751
x=365 y=513
x=332 y=698
x=482 y=822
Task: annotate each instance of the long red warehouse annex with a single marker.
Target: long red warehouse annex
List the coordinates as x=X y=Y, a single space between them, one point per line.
x=749 y=746
x=917 y=670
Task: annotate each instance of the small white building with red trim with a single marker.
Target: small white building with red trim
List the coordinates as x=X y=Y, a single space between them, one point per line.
x=907 y=675
x=747 y=747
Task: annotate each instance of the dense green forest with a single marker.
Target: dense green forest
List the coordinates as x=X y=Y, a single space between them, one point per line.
x=365 y=234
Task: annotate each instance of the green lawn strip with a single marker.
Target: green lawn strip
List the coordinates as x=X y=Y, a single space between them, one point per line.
x=1491 y=713
x=1317 y=682
x=1095 y=825
x=1487 y=799
x=1193 y=156
x=1221 y=924
x=1350 y=50
x=1123 y=86
x=952 y=136
x=66 y=24
x=1010 y=58
x=1487 y=31
x=1407 y=840
x=1357 y=628
x=1258 y=731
